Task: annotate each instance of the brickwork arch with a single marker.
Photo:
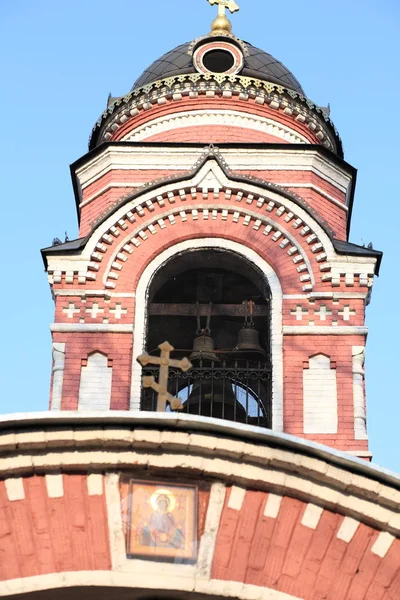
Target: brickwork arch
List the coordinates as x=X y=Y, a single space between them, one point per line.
x=299 y=237
x=243 y=251
x=263 y=234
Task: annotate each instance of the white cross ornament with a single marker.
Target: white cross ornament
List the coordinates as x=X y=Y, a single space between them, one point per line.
x=71 y=310
x=118 y=311
x=299 y=312
x=323 y=312
x=346 y=312
x=95 y=310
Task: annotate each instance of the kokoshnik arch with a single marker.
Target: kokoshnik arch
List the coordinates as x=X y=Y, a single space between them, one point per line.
x=214 y=209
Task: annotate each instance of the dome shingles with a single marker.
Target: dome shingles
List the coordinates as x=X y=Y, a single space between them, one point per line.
x=258 y=64
x=173 y=62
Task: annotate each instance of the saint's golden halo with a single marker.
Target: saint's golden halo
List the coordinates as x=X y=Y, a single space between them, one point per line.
x=163 y=492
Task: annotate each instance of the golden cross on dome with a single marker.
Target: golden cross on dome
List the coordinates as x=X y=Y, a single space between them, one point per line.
x=223 y=4
x=165 y=362
x=222 y=23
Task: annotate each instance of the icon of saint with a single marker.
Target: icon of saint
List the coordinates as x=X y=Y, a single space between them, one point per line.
x=162 y=530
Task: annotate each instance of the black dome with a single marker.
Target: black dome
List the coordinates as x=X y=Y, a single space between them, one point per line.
x=257 y=63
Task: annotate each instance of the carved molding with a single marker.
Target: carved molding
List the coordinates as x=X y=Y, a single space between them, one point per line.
x=226 y=118
x=250 y=89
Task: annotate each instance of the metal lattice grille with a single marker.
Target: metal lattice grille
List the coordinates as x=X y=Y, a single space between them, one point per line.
x=237 y=390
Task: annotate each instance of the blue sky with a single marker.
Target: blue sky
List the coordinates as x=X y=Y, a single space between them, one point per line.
x=59 y=62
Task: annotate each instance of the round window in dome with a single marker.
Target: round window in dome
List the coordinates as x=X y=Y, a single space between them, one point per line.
x=218 y=61
x=218 y=57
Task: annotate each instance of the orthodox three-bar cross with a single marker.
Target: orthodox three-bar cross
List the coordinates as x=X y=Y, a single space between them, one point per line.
x=225 y=4
x=165 y=362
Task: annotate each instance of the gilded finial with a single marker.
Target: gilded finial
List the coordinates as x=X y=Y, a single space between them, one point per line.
x=222 y=23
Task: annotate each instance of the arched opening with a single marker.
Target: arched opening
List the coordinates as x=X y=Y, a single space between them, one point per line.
x=213 y=307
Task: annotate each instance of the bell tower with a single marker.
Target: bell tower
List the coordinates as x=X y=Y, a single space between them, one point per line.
x=207 y=433
x=214 y=207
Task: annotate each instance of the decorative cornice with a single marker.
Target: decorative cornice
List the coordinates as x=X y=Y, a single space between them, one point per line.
x=175 y=88
x=247 y=455
x=212 y=151
x=215 y=117
x=324 y=330
x=312 y=230
x=90 y=328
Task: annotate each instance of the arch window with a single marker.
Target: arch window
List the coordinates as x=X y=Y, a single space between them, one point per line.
x=214 y=308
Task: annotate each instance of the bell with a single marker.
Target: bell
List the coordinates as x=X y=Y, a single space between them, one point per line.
x=203 y=349
x=214 y=398
x=249 y=341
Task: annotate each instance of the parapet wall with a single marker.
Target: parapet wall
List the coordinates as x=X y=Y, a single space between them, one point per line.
x=277 y=517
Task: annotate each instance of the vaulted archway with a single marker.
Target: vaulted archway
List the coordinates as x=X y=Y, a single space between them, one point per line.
x=214 y=307
x=257 y=392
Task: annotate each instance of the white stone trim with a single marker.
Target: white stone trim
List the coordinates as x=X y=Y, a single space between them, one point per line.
x=360 y=453
x=331 y=491
x=272 y=506
x=276 y=316
x=219 y=117
x=77 y=264
x=327 y=296
x=90 y=328
x=88 y=292
x=164 y=159
x=360 y=418
x=382 y=544
x=98 y=293
x=95 y=484
x=115 y=525
x=312 y=516
x=15 y=489
x=55 y=485
x=324 y=330
x=154 y=579
x=58 y=375
x=320 y=398
x=95 y=383
x=347 y=529
x=209 y=537
x=236 y=498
